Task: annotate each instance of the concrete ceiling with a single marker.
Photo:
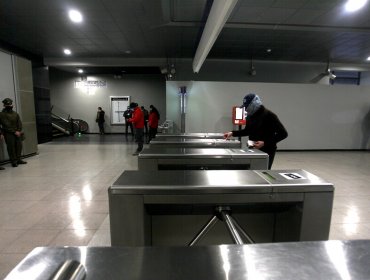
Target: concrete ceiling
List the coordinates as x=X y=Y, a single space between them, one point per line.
x=150 y=32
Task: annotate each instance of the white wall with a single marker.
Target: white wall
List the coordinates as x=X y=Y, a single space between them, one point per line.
x=316 y=116
x=67 y=100
x=6 y=90
x=16 y=83
x=6 y=77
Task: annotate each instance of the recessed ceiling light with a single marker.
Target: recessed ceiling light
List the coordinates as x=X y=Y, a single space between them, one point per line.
x=354 y=5
x=80 y=71
x=67 y=51
x=75 y=16
x=368 y=59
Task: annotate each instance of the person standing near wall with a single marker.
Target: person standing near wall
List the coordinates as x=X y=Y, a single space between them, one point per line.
x=153 y=122
x=138 y=121
x=128 y=115
x=100 y=119
x=12 y=129
x=1 y=139
x=263 y=127
x=146 y=118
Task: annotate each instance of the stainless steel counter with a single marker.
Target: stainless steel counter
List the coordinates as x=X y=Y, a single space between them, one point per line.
x=275 y=261
x=195 y=143
x=162 y=158
x=168 y=207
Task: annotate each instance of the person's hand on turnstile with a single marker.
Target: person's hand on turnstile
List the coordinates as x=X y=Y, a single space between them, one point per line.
x=258 y=144
x=228 y=135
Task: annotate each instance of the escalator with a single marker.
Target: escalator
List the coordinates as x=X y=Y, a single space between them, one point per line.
x=67 y=127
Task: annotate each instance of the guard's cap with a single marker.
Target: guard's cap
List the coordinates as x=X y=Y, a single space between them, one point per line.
x=7 y=101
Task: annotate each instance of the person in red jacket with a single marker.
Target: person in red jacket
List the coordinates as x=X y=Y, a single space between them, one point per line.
x=153 y=122
x=138 y=122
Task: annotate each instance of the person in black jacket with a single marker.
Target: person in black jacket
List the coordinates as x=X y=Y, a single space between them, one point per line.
x=100 y=119
x=263 y=127
x=128 y=115
x=1 y=138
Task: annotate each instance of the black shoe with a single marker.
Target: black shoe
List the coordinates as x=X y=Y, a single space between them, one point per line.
x=21 y=162
x=2 y=168
x=14 y=164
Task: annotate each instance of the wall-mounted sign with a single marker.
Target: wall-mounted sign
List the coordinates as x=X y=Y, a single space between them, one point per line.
x=90 y=84
x=118 y=105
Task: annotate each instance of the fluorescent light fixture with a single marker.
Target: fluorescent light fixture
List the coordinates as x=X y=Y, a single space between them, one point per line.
x=354 y=5
x=75 y=16
x=80 y=71
x=67 y=51
x=217 y=17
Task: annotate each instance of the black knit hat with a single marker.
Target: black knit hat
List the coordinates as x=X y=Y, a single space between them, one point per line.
x=133 y=105
x=7 y=102
x=248 y=99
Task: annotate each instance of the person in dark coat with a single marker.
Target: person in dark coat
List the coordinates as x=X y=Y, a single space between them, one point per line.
x=100 y=119
x=1 y=139
x=153 y=122
x=128 y=115
x=263 y=127
x=12 y=129
x=146 y=119
x=138 y=121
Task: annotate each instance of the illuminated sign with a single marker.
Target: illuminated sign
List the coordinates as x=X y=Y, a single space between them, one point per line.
x=239 y=116
x=90 y=84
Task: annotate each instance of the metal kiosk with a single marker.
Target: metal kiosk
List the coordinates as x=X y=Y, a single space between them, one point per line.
x=195 y=143
x=161 y=158
x=172 y=207
x=194 y=135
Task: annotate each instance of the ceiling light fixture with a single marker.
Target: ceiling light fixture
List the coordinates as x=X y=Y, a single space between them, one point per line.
x=269 y=50
x=368 y=59
x=75 y=16
x=80 y=71
x=220 y=12
x=354 y=5
x=67 y=51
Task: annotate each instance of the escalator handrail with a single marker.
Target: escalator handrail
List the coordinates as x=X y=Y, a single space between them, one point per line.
x=59 y=117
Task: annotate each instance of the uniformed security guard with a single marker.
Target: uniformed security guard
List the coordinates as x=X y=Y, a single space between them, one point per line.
x=1 y=138
x=12 y=130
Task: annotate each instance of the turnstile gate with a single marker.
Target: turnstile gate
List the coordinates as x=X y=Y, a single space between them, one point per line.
x=161 y=158
x=169 y=207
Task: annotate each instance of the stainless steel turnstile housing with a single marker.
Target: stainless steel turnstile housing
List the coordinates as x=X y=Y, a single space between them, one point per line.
x=195 y=143
x=169 y=207
x=194 y=135
x=278 y=261
x=161 y=158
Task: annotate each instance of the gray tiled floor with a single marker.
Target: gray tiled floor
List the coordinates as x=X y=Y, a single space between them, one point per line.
x=60 y=197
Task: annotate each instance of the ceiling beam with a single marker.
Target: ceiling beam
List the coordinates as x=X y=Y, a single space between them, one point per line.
x=220 y=12
x=104 y=61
